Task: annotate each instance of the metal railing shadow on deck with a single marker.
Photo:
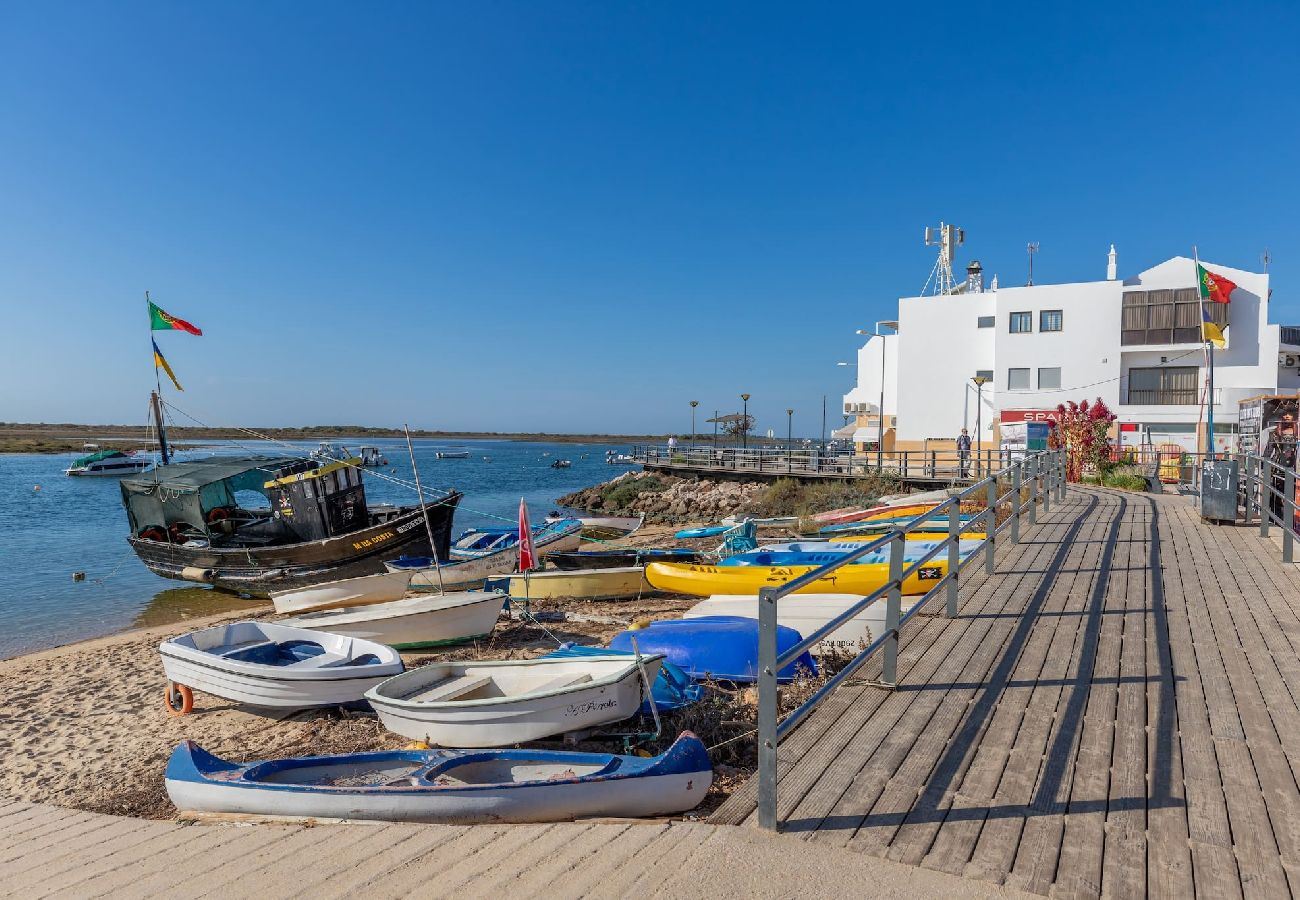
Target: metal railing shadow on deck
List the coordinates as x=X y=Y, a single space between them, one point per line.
x=1042 y=474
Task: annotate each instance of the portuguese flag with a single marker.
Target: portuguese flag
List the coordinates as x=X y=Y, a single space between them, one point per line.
x=165 y=321
x=1213 y=287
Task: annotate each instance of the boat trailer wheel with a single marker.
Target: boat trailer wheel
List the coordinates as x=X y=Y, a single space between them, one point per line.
x=179 y=699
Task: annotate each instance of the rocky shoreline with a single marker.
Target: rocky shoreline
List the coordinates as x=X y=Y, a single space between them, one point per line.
x=667 y=498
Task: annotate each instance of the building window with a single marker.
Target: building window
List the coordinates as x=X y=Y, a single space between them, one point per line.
x=1164 y=386
x=985 y=321
x=1018 y=379
x=1049 y=379
x=1022 y=322
x=1050 y=320
x=1166 y=317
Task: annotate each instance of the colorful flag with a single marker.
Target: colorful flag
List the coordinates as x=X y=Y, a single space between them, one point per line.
x=159 y=361
x=1211 y=332
x=527 y=553
x=165 y=321
x=1213 y=287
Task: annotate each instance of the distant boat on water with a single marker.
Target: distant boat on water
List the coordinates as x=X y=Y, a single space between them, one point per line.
x=451 y=454
x=112 y=463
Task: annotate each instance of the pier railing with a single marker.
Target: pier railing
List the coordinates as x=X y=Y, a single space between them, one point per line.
x=1268 y=490
x=1033 y=480
x=907 y=465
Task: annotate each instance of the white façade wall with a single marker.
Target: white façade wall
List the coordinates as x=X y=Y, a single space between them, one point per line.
x=941 y=348
x=868 y=370
x=1086 y=349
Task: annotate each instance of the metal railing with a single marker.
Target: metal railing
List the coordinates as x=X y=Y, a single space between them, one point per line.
x=1042 y=473
x=919 y=465
x=1268 y=490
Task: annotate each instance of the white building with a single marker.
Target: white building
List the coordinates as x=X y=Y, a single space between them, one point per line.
x=1134 y=343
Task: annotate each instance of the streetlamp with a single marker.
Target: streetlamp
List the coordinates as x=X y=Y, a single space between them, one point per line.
x=694 y=403
x=789 y=440
x=744 y=423
x=980 y=381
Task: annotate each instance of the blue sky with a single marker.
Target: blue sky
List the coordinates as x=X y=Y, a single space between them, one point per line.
x=580 y=216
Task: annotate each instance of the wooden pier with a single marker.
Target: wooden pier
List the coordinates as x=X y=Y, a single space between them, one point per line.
x=1115 y=711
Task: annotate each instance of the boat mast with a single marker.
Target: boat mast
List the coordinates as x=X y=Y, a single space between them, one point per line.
x=433 y=547
x=158 y=423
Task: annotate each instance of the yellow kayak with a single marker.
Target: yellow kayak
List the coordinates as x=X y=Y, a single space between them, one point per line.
x=705 y=581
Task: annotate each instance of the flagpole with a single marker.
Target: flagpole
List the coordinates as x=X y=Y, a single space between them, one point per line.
x=156 y=399
x=1209 y=355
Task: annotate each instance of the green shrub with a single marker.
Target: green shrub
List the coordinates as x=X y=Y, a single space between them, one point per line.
x=789 y=497
x=621 y=495
x=1125 y=478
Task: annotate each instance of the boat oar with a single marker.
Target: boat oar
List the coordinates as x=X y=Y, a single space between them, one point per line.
x=428 y=529
x=649 y=690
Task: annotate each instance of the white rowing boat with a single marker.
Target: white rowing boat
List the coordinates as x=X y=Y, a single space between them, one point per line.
x=429 y=620
x=381 y=588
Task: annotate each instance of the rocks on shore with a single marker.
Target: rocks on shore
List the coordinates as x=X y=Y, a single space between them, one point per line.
x=666 y=498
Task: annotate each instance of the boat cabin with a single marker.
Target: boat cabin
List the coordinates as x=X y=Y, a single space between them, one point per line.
x=247 y=501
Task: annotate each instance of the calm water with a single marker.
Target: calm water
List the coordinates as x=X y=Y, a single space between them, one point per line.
x=77 y=525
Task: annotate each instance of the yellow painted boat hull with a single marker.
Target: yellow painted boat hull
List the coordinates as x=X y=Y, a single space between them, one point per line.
x=705 y=581
x=584 y=584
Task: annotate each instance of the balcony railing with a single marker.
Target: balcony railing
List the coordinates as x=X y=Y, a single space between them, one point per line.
x=1291 y=334
x=1168 y=397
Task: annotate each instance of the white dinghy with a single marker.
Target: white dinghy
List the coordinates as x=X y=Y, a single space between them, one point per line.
x=498 y=703
x=382 y=588
x=428 y=620
x=273 y=666
x=805 y=613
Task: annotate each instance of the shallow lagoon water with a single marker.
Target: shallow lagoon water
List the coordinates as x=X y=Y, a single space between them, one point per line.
x=78 y=525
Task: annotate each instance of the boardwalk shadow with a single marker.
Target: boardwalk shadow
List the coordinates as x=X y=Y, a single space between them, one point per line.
x=1052 y=794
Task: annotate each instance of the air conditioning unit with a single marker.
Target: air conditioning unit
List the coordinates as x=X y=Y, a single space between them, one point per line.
x=848 y=408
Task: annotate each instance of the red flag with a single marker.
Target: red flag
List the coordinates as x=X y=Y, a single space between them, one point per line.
x=527 y=553
x=1213 y=287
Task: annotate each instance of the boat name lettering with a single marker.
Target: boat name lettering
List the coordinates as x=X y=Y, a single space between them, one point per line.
x=579 y=709
x=403 y=529
x=370 y=542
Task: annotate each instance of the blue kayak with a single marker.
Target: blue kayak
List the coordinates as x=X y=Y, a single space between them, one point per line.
x=707 y=531
x=721 y=647
x=672 y=689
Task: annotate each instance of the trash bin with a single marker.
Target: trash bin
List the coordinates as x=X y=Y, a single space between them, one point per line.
x=1219 y=482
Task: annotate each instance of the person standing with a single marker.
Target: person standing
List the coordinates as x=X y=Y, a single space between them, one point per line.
x=672 y=446
x=963 y=453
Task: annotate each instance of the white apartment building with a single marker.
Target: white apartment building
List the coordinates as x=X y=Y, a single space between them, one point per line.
x=1135 y=343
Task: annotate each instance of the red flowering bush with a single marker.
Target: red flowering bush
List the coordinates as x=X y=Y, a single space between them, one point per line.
x=1083 y=429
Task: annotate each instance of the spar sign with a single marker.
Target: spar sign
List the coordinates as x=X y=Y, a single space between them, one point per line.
x=1025 y=429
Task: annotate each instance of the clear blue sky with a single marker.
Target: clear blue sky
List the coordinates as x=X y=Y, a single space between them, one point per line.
x=580 y=216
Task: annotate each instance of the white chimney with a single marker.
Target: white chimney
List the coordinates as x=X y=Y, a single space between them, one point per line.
x=1112 y=264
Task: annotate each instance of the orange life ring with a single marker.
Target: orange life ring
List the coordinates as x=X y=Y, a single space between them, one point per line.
x=154 y=533
x=178 y=699
x=217 y=514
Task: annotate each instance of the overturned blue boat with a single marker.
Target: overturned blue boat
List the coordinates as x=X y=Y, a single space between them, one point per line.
x=721 y=647
x=443 y=786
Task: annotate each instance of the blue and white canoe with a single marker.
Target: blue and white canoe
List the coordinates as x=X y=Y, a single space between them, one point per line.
x=829 y=552
x=443 y=786
x=271 y=666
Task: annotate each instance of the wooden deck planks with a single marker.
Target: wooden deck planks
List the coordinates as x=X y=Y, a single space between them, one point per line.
x=1112 y=714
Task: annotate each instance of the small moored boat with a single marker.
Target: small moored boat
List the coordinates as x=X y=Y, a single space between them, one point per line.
x=472 y=571
x=273 y=666
x=495 y=703
x=586 y=584
x=447 y=786
x=451 y=454
x=108 y=462
x=571 y=560
x=703 y=581
x=430 y=620
x=382 y=588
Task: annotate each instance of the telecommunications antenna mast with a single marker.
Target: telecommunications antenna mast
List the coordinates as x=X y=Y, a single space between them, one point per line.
x=1031 y=248
x=947 y=238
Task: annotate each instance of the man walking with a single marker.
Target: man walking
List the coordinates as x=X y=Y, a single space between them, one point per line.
x=963 y=453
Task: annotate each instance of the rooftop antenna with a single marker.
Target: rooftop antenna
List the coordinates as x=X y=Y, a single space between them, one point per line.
x=1031 y=248
x=1265 y=258
x=947 y=238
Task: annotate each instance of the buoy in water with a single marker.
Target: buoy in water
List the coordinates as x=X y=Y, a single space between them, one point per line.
x=36 y=488
x=78 y=576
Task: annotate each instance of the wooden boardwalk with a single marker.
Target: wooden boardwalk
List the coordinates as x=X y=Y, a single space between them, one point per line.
x=1116 y=711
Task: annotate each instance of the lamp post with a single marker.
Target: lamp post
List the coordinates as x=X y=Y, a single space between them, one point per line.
x=694 y=403
x=789 y=440
x=715 y=431
x=980 y=381
x=744 y=423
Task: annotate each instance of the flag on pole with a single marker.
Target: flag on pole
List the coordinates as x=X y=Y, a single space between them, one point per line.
x=1211 y=332
x=1213 y=287
x=160 y=362
x=159 y=320
x=527 y=553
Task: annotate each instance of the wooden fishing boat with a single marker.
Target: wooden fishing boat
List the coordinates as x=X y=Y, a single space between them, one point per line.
x=806 y=613
x=703 y=581
x=585 y=584
x=443 y=786
x=496 y=703
x=366 y=589
x=273 y=666
x=194 y=522
x=471 y=572
x=413 y=622
x=603 y=528
x=571 y=560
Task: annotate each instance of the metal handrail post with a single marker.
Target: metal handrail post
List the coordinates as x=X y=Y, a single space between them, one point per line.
x=1288 y=518
x=990 y=523
x=1034 y=477
x=1015 y=503
x=1049 y=484
x=1249 y=488
x=1060 y=475
x=893 y=610
x=767 y=709
x=1265 y=496
x=954 y=556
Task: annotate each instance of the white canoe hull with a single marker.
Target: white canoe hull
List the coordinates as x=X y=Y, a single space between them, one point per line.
x=382 y=588
x=413 y=622
x=806 y=613
x=505 y=720
x=323 y=681
x=468 y=574
x=588 y=584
